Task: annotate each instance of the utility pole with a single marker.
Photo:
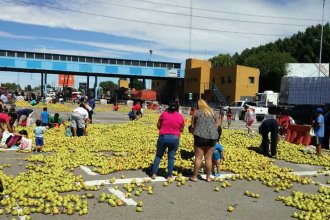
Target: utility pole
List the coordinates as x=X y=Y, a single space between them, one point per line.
x=190 y=29
x=321 y=41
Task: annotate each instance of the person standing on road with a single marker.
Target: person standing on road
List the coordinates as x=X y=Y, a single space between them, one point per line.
x=325 y=144
x=4 y=98
x=44 y=117
x=266 y=127
x=89 y=110
x=249 y=121
x=229 y=117
x=204 y=124
x=170 y=125
x=79 y=118
x=318 y=126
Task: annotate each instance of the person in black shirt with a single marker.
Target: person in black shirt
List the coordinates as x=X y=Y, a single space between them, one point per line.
x=266 y=127
x=23 y=114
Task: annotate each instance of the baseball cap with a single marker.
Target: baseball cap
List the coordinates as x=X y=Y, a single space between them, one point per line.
x=319 y=110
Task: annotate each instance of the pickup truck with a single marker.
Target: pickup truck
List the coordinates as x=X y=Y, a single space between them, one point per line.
x=239 y=109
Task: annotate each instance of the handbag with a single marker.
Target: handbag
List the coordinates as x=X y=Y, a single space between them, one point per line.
x=311 y=132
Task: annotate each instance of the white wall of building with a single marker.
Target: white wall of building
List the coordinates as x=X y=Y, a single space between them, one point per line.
x=307 y=69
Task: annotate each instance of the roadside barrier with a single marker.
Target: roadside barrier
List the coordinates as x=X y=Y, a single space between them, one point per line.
x=298 y=134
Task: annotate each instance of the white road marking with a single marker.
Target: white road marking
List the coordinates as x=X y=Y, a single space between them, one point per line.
x=162 y=179
x=10 y=149
x=88 y=171
x=222 y=175
x=123 y=181
x=309 y=173
x=321 y=184
x=121 y=196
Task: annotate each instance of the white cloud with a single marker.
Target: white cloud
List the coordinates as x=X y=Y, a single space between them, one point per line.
x=13 y=36
x=168 y=41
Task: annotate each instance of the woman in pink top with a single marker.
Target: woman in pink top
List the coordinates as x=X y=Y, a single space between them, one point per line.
x=170 y=125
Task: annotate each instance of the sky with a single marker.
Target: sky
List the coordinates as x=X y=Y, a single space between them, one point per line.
x=129 y=29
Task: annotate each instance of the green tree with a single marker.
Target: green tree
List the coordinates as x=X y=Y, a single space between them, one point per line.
x=108 y=86
x=223 y=60
x=272 y=66
x=28 y=88
x=137 y=84
x=10 y=86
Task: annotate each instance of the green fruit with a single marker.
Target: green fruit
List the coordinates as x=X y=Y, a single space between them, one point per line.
x=230 y=209
x=216 y=189
x=138 y=209
x=139 y=204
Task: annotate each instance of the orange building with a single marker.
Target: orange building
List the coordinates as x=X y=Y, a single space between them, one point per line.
x=234 y=83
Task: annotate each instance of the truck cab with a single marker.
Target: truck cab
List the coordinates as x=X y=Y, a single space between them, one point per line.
x=267 y=98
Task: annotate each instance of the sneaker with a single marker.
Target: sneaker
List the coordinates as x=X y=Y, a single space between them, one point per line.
x=217 y=175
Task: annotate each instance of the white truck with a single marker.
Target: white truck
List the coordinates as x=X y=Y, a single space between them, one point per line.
x=239 y=108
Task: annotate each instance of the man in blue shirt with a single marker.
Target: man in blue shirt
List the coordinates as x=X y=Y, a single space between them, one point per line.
x=91 y=102
x=318 y=126
x=45 y=117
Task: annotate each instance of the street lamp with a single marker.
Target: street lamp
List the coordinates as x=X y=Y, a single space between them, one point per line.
x=320 y=57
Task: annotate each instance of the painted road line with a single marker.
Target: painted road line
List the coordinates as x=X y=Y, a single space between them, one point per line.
x=321 y=184
x=9 y=149
x=222 y=176
x=88 y=171
x=309 y=173
x=19 y=209
x=123 y=181
x=121 y=196
x=162 y=179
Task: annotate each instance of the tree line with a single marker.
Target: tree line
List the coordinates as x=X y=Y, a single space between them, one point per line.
x=271 y=58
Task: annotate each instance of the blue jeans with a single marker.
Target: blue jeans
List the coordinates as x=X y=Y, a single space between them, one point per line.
x=166 y=141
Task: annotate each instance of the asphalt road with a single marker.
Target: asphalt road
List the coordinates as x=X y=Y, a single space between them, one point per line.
x=195 y=200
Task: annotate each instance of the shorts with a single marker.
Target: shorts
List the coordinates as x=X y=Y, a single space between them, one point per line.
x=44 y=124
x=229 y=120
x=39 y=141
x=320 y=139
x=202 y=142
x=77 y=120
x=216 y=155
x=249 y=122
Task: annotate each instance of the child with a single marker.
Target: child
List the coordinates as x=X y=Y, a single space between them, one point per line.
x=229 y=117
x=249 y=121
x=68 y=132
x=45 y=117
x=217 y=157
x=39 y=133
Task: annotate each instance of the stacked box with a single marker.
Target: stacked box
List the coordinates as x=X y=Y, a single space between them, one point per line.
x=305 y=90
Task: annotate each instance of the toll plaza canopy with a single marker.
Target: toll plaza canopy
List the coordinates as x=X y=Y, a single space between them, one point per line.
x=35 y=62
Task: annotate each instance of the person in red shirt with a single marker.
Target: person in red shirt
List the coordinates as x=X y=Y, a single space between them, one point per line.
x=8 y=121
x=137 y=110
x=115 y=107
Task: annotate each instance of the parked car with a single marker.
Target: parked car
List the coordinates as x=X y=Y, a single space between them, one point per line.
x=240 y=107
